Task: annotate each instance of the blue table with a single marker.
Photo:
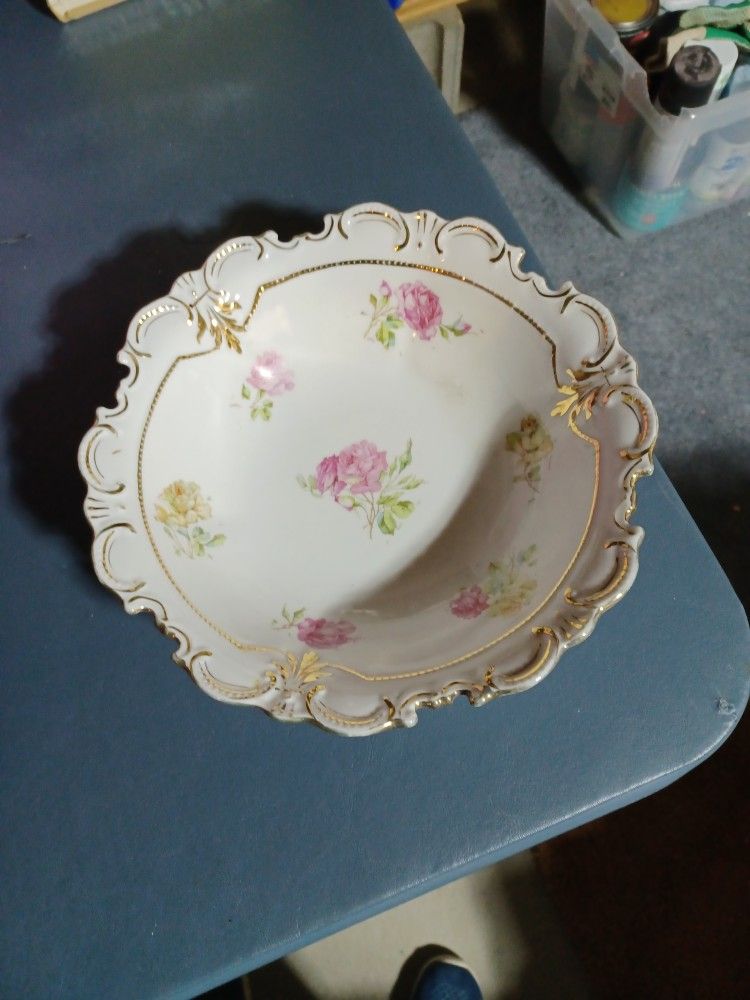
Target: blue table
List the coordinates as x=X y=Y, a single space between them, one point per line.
x=156 y=842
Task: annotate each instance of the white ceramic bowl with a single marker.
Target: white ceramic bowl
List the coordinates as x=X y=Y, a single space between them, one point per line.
x=369 y=469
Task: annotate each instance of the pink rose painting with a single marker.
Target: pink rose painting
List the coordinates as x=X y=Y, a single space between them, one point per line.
x=413 y=305
x=318 y=633
x=507 y=588
x=360 y=467
x=362 y=480
x=470 y=603
x=268 y=377
x=420 y=308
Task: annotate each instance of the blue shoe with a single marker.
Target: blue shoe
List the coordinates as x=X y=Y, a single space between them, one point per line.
x=446 y=977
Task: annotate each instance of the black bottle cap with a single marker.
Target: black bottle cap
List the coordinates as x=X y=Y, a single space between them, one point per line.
x=689 y=80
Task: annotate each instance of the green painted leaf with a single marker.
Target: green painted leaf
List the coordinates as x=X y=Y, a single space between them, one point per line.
x=302 y=481
x=402 y=508
x=382 y=302
x=498 y=578
x=311 y=484
x=297 y=616
x=405 y=458
x=386 y=522
x=246 y=394
x=445 y=332
x=409 y=482
x=373 y=301
x=512 y=440
x=254 y=413
x=217 y=540
x=386 y=499
x=385 y=336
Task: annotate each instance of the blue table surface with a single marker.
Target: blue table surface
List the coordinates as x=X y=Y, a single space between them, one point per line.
x=156 y=842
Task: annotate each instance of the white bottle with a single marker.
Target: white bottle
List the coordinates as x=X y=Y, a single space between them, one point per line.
x=726 y=165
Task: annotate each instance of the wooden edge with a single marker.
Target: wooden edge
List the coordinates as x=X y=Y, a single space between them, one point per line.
x=418 y=10
x=71 y=10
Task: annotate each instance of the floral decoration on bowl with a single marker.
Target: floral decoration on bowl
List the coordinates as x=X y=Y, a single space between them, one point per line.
x=531 y=444
x=180 y=510
x=319 y=633
x=361 y=479
x=411 y=305
x=268 y=378
x=507 y=588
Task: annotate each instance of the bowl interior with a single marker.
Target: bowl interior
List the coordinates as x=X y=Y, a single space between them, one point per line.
x=376 y=474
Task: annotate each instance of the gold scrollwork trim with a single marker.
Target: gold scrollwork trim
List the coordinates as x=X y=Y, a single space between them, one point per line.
x=382 y=717
x=235 y=692
x=547 y=648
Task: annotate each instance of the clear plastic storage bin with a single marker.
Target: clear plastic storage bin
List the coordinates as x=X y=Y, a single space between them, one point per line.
x=641 y=169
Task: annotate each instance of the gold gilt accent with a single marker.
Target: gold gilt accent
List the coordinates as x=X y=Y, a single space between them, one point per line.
x=622 y=566
x=396 y=221
x=235 y=692
x=644 y=428
x=547 y=648
x=384 y=714
x=580 y=397
x=89 y=457
x=497 y=247
x=216 y=313
x=570 y=625
x=299 y=672
x=145 y=319
x=107 y=538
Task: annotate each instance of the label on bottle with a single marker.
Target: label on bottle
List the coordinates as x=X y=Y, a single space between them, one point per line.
x=646 y=211
x=723 y=171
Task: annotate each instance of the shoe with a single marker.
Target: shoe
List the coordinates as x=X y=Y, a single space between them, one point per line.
x=446 y=977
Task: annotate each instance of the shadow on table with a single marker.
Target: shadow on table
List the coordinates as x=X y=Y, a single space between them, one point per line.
x=714 y=485
x=41 y=7
x=52 y=408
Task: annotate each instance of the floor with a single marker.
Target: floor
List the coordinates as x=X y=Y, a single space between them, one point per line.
x=499 y=920
x=653 y=900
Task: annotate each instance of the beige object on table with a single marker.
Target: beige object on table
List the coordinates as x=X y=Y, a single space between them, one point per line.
x=69 y=10
x=436 y=30
x=412 y=10
x=418 y=10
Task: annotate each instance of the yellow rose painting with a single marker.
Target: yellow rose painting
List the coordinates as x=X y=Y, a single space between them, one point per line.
x=180 y=508
x=531 y=444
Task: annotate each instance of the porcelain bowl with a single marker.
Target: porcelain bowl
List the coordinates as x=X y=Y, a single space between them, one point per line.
x=369 y=469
